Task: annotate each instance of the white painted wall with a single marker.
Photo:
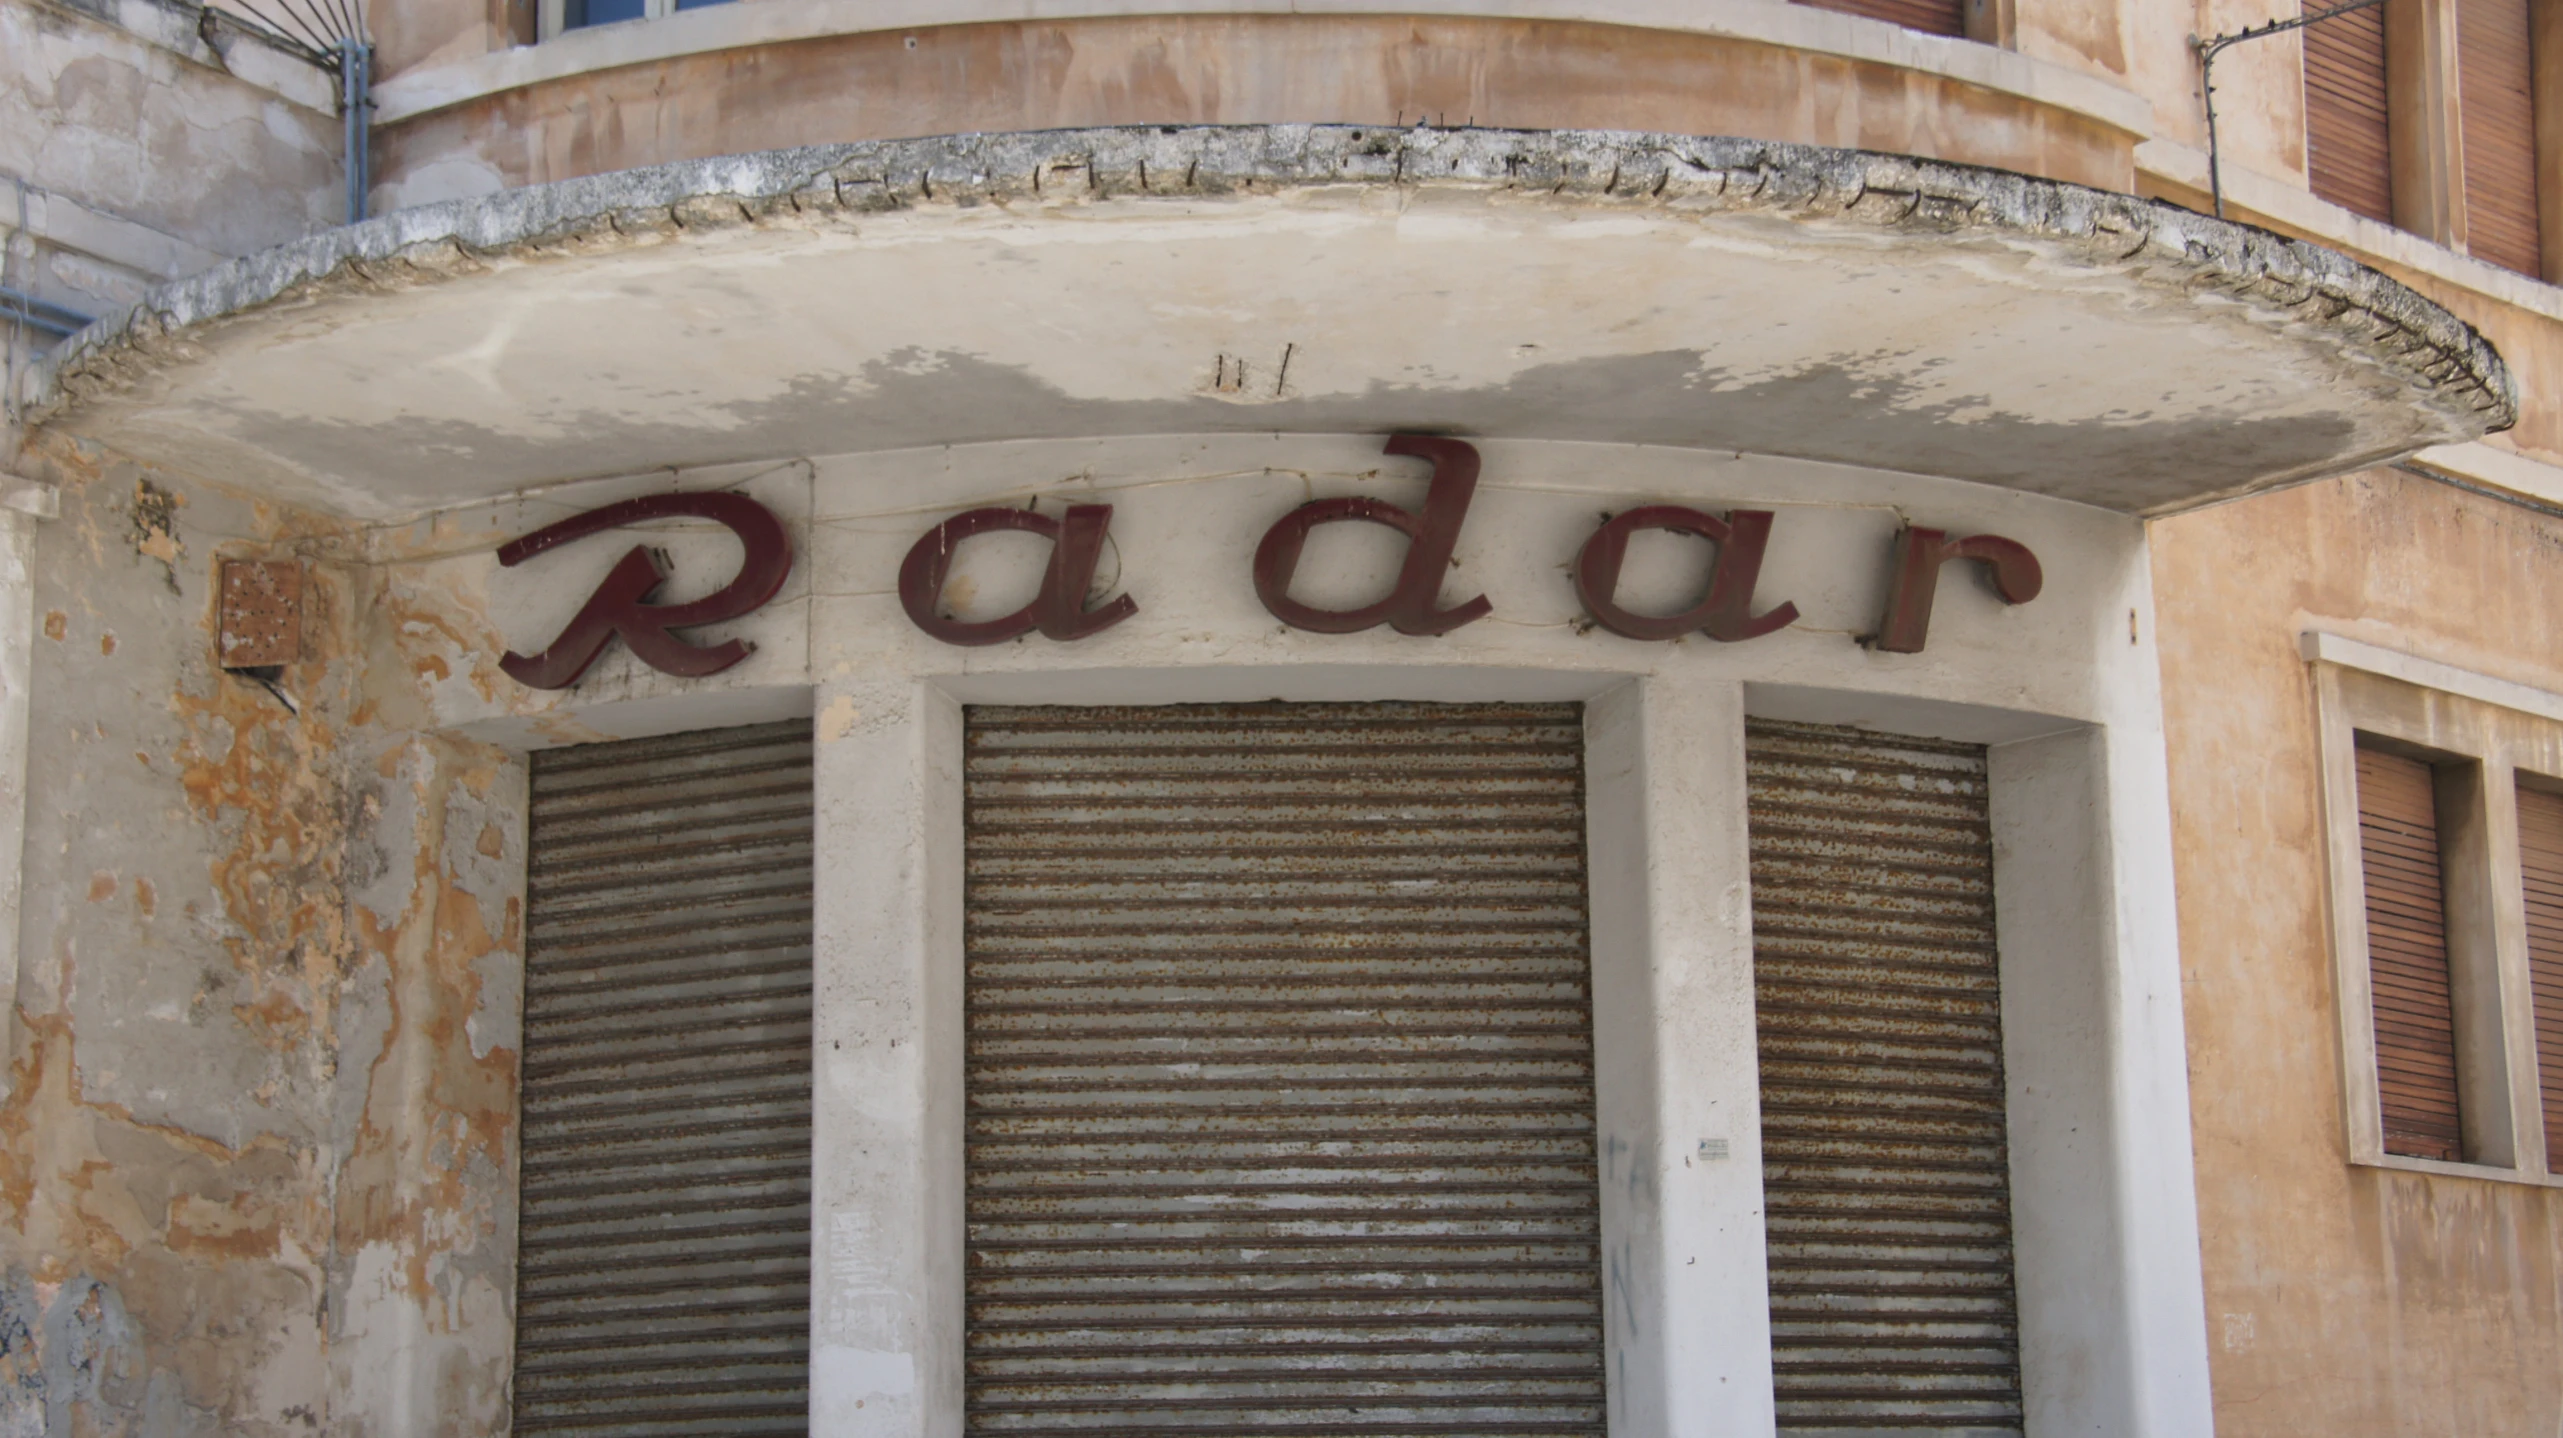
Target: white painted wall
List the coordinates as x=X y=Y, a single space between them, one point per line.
x=17 y=667
x=2064 y=688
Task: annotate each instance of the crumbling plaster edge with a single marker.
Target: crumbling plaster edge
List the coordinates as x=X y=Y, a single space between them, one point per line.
x=2284 y=201
x=427 y=90
x=2282 y=281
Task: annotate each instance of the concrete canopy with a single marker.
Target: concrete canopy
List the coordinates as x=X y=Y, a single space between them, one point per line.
x=1709 y=293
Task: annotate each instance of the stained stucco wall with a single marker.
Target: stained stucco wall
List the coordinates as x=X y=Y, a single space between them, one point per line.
x=171 y=150
x=2343 y=1301
x=1224 y=69
x=259 y=1120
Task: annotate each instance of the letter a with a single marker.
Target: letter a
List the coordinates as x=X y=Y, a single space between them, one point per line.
x=1059 y=611
x=1726 y=614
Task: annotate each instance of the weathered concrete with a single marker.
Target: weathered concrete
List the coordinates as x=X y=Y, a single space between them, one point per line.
x=149 y=128
x=257 y=1142
x=1718 y=294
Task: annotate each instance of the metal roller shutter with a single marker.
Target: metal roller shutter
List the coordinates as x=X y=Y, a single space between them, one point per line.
x=1878 y=1002
x=664 y=1224
x=1280 y=1072
x=2409 y=986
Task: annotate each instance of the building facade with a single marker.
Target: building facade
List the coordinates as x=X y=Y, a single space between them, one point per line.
x=1290 y=719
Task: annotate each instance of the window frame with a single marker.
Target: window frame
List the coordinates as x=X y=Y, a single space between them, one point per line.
x=553 y=12
x=2452 y=718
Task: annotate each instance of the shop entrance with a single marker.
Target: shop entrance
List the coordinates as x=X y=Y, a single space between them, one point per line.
x=1280 y=1072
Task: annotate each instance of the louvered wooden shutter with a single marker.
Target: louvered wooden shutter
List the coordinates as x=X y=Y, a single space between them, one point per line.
x=2498 y=112
x=664 y=1224
x=1280 y=1073
x=1932 y=17
x=1886 y=1172
x=2348 y=150
x=2541 y=866
x=2407 y=955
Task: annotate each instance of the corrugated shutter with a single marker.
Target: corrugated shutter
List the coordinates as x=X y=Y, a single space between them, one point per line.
x=1280 y=1072
x=2497 y=108
x=2407 y=955
x=1886 y=1174
x=2541 y=865
x=664 y=1227
x=1932 y=17
x=2348 y=146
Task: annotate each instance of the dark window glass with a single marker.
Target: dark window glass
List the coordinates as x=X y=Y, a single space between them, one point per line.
x=579 y=14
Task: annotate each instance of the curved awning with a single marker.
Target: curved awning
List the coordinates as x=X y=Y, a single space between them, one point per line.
x=1712 y=293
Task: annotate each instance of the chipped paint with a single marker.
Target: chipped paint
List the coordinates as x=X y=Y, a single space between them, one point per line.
x=256 y=1155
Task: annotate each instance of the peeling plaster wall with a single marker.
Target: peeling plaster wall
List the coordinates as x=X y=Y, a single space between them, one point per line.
x=257 y=1152
x=2359 y=1302
x=131 y=124
x=436 y=32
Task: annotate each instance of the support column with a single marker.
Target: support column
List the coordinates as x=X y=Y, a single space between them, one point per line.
x=1686 y=1294
x=886 y=1213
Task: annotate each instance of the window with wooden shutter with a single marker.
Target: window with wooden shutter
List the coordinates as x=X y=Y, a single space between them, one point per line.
x=2407 y=955
x=2497 y=111
x=2541 y=870
x=1932 y=17
x=2348 y=155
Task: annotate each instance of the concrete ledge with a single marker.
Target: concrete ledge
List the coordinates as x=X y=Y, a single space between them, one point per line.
x=2491 y=467
x=2322 y=647
x=415 y=93
x=2450 y=369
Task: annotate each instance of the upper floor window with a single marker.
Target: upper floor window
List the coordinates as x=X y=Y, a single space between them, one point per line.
x=2422 y=114
x=562 y=15
x=1962 y=19
x=2445 y=812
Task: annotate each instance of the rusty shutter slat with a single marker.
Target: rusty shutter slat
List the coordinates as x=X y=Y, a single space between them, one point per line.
x=1280 y=1072
x=1886 y=1175
x=2348 y=149
x=2415 y=1017
x=664 y=1220
x=2496 y=105
x=1932 y=17
x=2541 y=866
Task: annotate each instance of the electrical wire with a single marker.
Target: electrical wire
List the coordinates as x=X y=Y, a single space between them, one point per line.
x=2209 y=48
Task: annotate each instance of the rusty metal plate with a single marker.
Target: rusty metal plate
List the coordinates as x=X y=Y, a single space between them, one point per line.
x=1886 y=1172
x=261 y=621
x=663 y=1251
x=1280 y=1072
